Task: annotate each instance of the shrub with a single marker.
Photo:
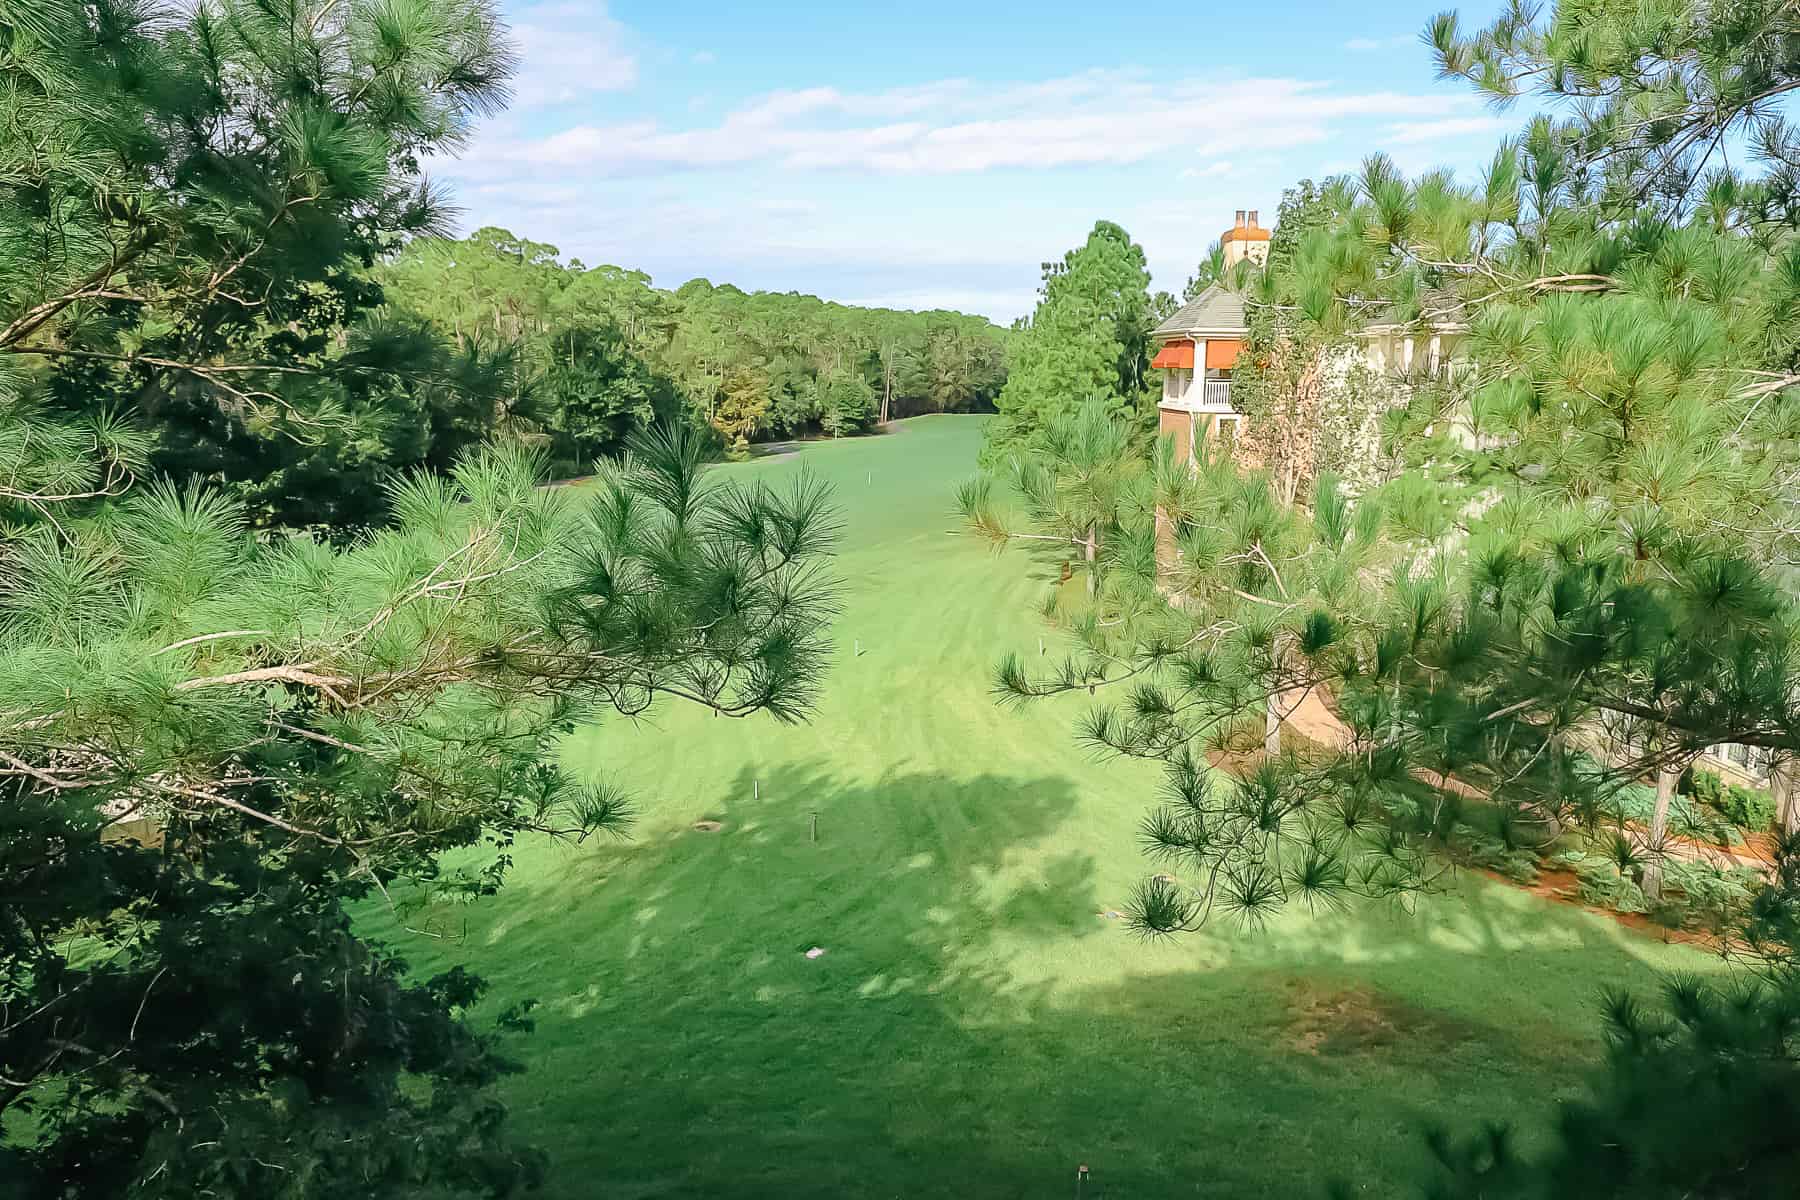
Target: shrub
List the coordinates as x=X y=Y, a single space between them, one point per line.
x=1484 y=850
x=1602 y=885
x=1751 y=809
x=1703 y=785
x=1494 y=850
x=1636 y=804
x=1713 y=896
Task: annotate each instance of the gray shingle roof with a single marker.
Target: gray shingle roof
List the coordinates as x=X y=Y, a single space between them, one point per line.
x=1213 y=309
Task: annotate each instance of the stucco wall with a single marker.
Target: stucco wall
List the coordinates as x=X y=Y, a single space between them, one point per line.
x=1175 y=423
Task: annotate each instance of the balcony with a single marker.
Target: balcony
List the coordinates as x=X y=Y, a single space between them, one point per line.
x=1196 y=395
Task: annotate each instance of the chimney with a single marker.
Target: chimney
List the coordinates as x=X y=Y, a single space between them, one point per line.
x=1240 y=218
x=1253 y=218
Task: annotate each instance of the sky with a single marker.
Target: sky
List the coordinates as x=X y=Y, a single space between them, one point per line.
x=933 y=154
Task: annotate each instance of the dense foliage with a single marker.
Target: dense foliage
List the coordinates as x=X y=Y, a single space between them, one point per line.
x=1572 y=578
x=1088 y=339
x=212 y=742
x=210 y=745
x=189 y=201
x=1586 y=554
x=598 y=351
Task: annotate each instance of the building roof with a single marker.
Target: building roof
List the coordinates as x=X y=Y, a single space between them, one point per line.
x=1215 y=310
x=1245 y=233
x=1220 y=311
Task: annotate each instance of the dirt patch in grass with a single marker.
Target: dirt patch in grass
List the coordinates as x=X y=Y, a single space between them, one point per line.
x=708 y=826
x=1331 y=1022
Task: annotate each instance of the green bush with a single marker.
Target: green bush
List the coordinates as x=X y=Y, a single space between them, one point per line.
x=1713 y=896
x=1602 y=885
x=1750 y=809
x=1485 y=850
x=1703 y=785
x=1636 y=803
x=1694 y=892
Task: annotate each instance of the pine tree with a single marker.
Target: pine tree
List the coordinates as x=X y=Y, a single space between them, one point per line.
x=1580 y=580
x=1655 y=98
x=214 y=743
x=1088 y=338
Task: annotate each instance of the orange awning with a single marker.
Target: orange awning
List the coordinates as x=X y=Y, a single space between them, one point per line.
x=1175 y=354
x=1222 y=354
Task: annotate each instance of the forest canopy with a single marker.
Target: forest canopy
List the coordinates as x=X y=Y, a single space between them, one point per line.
x=598 y=351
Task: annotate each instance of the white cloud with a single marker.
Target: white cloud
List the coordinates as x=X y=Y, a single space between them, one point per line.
x=1098 y=118
x=1366 y=45
x=947 y=193
x=1409 y=133
x=568 y=51
x=704 y=58
x=1210 y=170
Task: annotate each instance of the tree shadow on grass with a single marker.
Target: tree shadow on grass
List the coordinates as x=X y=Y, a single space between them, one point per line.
x=976 y=1027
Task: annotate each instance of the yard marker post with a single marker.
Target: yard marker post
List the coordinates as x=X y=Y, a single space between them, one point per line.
x=815 y=825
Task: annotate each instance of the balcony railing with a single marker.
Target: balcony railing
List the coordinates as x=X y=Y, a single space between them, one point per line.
x=1200 y=395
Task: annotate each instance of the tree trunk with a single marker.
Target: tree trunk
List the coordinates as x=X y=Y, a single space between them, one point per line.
x=1088 y=550
x=1553 y=810
x=1787 y=796
x=1272 y=726
x=1168 y=556
x=887 y=383
x=1659 y=829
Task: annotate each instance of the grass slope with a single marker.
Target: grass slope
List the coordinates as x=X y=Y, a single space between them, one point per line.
x=976 y=1027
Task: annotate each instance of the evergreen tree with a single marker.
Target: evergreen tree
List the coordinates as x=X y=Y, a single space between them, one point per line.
x=190 y=198
x=1581 y=579
x=1082 y=485
x=1211 y=270
x=210 y=746
x=1657 y=98
x=1089 y=337
x=212 y=743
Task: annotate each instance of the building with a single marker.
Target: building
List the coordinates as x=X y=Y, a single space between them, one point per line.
x=1198 y=347
x=1196 y=351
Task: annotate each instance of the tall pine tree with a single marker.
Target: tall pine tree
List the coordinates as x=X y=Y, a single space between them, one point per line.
x=212 y=743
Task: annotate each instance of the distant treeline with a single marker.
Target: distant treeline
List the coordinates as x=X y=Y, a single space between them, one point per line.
x=307 y=396
x=595 y=352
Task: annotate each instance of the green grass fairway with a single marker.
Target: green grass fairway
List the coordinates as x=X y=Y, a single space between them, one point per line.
x=976 y=1027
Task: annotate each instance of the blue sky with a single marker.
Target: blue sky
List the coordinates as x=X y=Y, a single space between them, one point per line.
x=933 y=154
